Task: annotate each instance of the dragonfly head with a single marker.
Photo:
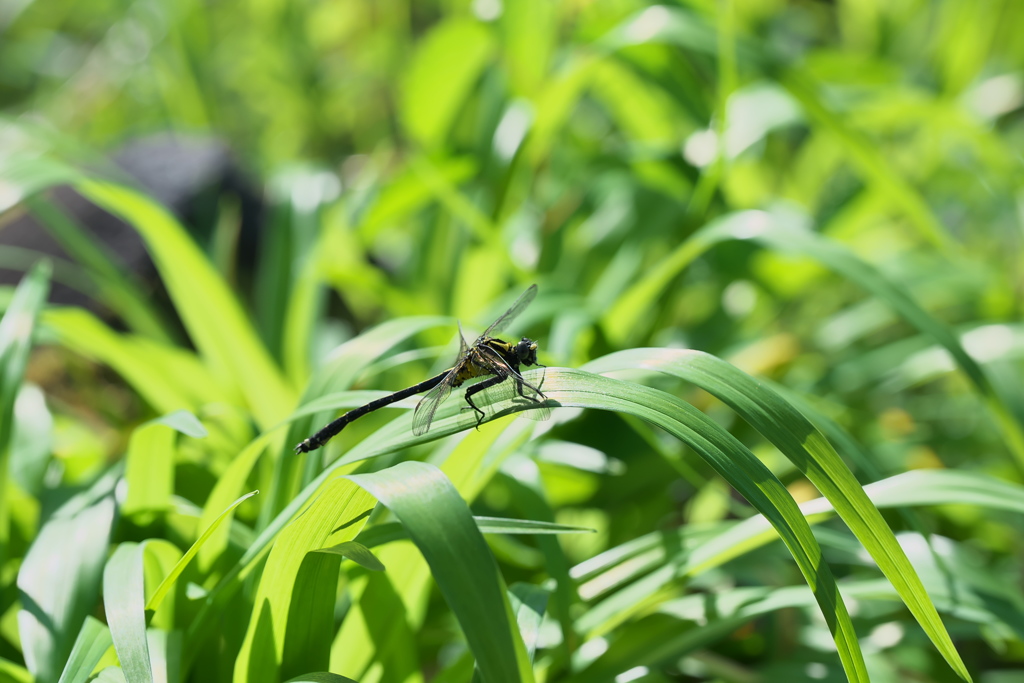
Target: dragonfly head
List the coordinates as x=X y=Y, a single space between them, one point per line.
x=526 y=350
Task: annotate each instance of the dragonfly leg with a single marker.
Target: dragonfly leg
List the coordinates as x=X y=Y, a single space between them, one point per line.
x=519 y=388
x=476 y=388
x=520 y=383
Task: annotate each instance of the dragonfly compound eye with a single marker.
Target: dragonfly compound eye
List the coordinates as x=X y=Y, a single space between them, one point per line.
x=526 y=349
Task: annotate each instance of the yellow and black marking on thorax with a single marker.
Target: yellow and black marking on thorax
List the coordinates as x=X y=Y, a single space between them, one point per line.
x=477 y=364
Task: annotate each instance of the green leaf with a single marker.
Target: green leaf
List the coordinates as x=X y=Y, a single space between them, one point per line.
x=357 y=552
x=662 y=24
x=284 y=603
x=766 y=495
x=379 y=534
x=642 y=567
x=184 y=422
x=670 y=25
x=16 y=330
x=455 y=201
x=530 y=33
x=866 y=156
x=92 y=642
x=149 y=469
x=555 y=104
x=59 y=579
x=384 y=634
x=310 y=621
x=642 y=111
x=811 y=452
x=501 y=525
x=941 y=487
x=529 y=603
x=385 y=629
x=165 y=654
x=447 y=63
x=914 y=488
x=158 y=561
x=124 y=601
x=320 y=677
x=738 y=466
x=112 y=674
x=219 y=507
x=14 y=673
x=167 y=378
x=407 y=193
x=688 y=624
x=439 y=523
x=527 y=487
x=165 y=586
x=115 y=288
x=16 y=336
x=212 y=315
x=31 y=443
x=27 y=173
x=775 y=231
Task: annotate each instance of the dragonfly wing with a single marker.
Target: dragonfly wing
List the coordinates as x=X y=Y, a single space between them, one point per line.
x=423 y=415
x=499 y=325
x=463 y=346
x=515 y=389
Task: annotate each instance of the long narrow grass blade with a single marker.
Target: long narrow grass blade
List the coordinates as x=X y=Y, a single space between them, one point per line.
x=116 y=289
x=651 y=563
x=811 y=452
x=739 y=467
x=149 y=469
x=439 y=523
x=14 y=672
x=16 y=330
x=320 y=677
x=60 y=577
x=529 y=603
x=215 y=321
x=167 y=378
x=161 y=591
x=623 y=317
x=358 y=553
x=297 y=588
x=93 y=640
x=124 y=601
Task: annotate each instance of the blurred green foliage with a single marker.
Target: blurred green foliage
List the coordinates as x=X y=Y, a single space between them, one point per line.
x=827 y=195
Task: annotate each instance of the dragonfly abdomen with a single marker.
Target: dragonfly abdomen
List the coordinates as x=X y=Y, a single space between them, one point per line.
x=324 y=435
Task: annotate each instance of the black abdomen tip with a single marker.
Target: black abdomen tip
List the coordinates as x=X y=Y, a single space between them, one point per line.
x=306 y=446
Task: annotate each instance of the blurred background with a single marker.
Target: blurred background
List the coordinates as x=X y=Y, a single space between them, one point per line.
x=655 y=168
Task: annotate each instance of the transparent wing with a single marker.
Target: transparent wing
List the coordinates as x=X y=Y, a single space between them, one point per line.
x=499 y=325
x=463 y=346
x=522 y=395
x=423 y=415
x=516 y=388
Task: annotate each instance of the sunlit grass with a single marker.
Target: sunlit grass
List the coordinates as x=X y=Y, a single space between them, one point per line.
x=777 y=249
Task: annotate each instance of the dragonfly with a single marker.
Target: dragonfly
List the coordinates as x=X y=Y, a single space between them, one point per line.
x=499 y=361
